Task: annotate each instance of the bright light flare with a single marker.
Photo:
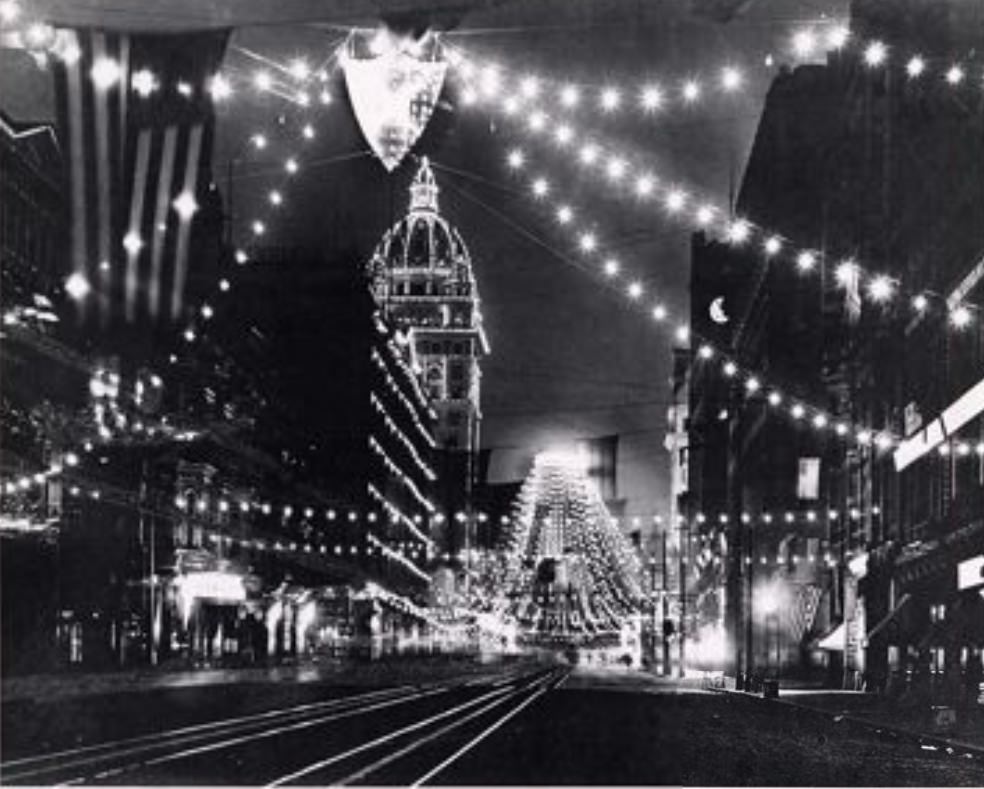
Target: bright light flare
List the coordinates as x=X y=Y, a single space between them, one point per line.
x=880 y=288
x=541 y=187
x=960 y=317
x=739 y=231
x=731 y=78
x=220 y=88
x=804 y=43
x=77 y=286
x=610 y=99
x=875 y=54
x=651 y=98
x=105 y=73
x=846 y=273
x=570 y=96
x=915 y=67
x=516 y=159
x=691 y=91
x=806 y=261
x=955 y=75
x=143 y=82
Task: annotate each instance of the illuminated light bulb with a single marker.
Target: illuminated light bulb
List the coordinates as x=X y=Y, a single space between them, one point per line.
x=682 y=333
x=308 y=131
x=775 y=398
x=883 y=441
x=955 y=75
x=529 y=87
x=588 y=153
x=588 y=242
x=979 y=449
x=241 y=257
x=880 y=288
x=615 y=168
x=224 y=285
x=611 y=267
x=875 y=53
x=77 y=286
x=772 y=245
x=220 y=88
x=143 y=82
x=259 y=141
x=963 y=449
x=739 y=231
x=837 y=37
x=491 y=80
x=132 y=242
x=846 y=273
x=71 y=459
x=644 y=185
x=516 y=159
x=915 y=67
x=841 y=429
x=570 y=96
x=864 y=437
x=610 y=99
x=564 y=214
x=276 y=198
x=675 y=200
x=704 y=215
x=258 y=228
x=651 y=98
x=564 y=134
x=806 y=261
x=263 y=80
x=540 y=187
x=9 y=11
x=70 y=53
x=105 y=73
x=731 y=78
x=804 y=42
x=691 y=91
x=944 y=450
x=730 y=369
x=635 y=292
x=325 y=97
x=819 y=421
x=798 y=411
x=189 y=335
x=291 y=165
x=960 y=317
x=705 y=352
x=186 y=205
x=299 y=69
x=753 y=385
x=537 y=120
x=920 y=303
x=511 y=105
x=185 y=89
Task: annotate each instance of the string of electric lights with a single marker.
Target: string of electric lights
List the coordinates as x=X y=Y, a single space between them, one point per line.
x=634 y=178
x=489 y=81
x=754 y=384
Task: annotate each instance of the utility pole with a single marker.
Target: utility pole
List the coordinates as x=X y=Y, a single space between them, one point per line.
x=666 y=612
x=683 y=546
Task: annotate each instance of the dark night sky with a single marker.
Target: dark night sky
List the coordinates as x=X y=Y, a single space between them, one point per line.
x=569 y=359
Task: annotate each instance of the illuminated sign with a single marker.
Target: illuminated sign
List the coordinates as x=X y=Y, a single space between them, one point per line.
x=970 y=573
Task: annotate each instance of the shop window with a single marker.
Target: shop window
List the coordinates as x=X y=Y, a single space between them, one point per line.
x=937 y=612
x=893 y=658
x=937 y=658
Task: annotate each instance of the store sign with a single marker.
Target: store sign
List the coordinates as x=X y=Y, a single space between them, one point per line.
x=212 y=585
x=970 y=573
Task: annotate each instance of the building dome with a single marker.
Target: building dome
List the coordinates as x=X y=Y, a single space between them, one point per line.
x=422 y=254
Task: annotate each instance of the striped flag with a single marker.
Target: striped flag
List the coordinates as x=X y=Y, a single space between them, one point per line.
x=137 y=122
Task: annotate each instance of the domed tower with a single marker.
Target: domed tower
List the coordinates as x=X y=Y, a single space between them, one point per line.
x=422 y=279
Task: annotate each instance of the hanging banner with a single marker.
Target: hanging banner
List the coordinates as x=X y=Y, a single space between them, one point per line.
x=808 y=479
x=393 y=84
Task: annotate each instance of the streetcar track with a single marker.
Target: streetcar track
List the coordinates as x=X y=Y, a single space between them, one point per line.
x=351 y=705
x=432 y=736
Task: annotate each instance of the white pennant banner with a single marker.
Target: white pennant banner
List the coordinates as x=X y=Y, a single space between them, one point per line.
x=393 y=86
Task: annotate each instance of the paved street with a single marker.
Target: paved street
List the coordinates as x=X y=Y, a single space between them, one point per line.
x=501 y=725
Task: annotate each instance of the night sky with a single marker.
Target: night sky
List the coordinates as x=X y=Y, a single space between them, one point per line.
x=569 y=358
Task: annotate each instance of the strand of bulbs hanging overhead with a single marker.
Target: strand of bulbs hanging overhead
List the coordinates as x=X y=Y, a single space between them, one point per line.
x=635 y=180
x=611 y=268
x=488 y=80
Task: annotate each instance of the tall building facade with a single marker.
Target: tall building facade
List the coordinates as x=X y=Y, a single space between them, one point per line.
x=874 y=566
x=424 y=283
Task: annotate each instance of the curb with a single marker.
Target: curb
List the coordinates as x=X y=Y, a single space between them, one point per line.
x=921 y=738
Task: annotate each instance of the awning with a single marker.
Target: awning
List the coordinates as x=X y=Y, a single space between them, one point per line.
x=836 y=640
x=889 y=616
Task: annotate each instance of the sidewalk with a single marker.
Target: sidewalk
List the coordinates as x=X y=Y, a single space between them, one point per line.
x=43 y=688
x=885 y=716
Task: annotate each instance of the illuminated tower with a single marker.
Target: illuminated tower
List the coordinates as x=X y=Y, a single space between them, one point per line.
x=423 y=280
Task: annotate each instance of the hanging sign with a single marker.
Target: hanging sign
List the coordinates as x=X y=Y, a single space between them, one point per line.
x=393 y=84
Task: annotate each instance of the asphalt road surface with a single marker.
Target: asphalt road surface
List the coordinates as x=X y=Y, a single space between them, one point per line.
x=516 y=725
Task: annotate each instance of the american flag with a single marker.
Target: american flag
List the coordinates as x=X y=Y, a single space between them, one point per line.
x=137 y=122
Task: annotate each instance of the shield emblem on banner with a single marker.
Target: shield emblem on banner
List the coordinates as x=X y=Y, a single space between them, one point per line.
x=393 y=85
